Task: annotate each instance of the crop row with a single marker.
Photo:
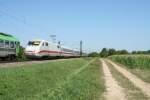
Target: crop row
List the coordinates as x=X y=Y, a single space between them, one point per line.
x=133 y=61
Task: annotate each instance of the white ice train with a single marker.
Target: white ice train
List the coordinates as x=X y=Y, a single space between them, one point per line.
x=40 y=48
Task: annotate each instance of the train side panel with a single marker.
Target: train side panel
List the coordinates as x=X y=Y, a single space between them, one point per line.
x=49 y=49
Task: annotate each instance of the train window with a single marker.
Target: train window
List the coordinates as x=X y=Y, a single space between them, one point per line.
x=34 y=43
x=58 y=46
x=30 y=43
x=67 y=50
x=1 y=43
x=43 y=44
x=12 y=45
x=15 y=44
x=46 y=43
x=7 y=44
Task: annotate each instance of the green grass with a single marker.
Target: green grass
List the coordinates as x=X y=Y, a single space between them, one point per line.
x=132 y=93
x=137 y=64
x=144 y=74
x=63 y=80
x=133 y=61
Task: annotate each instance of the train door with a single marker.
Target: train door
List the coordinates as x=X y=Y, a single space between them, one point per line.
x=12 y=48
x=59 y=49
x=45 y=49
x=2 y=48
x=6 y=47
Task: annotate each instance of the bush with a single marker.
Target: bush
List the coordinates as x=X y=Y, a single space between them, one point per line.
x=93 y=54
x=21 y=55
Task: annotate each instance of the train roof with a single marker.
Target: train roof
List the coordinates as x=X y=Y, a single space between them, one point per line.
x=38 y=40
x=65 y=47
x=62 y=46
x=43 y=41
x=8 y=37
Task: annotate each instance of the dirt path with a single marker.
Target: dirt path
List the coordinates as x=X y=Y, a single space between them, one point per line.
x=145 y=87
x=114 y=91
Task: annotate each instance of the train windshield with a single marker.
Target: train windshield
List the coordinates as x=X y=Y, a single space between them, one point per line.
x=34 y=43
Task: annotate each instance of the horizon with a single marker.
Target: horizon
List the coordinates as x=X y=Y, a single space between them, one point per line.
x=111 y=24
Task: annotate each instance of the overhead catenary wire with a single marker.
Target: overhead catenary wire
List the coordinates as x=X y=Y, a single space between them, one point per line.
x=18 y=19
x=22 y=20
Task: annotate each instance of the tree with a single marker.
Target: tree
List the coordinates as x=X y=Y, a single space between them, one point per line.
x=122 y=52
x=93 y=54
x=21 y=54
x=148 y=51
x=104 y=52
x=141 y=52
x=111 y=52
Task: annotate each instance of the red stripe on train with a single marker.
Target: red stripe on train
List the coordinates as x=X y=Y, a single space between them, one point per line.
x=46 y=51
x=50 y=52
x=59 y=52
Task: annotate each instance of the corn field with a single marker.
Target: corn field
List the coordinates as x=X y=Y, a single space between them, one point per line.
x=133 y=61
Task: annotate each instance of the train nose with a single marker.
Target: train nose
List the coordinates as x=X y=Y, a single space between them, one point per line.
x=30 y=54
x=30 y=50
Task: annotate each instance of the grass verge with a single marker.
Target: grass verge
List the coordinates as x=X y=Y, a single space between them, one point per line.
x=49 y=81
x=144 y=74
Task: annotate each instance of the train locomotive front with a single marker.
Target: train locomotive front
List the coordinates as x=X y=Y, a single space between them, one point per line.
x=9 y=46
x=41 y=48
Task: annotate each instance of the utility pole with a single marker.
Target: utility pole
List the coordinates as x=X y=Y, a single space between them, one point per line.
x=81 y=43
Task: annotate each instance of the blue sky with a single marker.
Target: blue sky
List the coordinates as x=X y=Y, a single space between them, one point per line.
x=119 y=24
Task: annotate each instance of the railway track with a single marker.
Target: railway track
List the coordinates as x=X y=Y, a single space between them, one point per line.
x=5 y=64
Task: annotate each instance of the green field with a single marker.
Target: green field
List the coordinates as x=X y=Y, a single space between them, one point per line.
x=133 y=61
x=74 y=79
x=137 y=64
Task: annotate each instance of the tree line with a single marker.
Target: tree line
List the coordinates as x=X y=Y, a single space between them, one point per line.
x=105 y=52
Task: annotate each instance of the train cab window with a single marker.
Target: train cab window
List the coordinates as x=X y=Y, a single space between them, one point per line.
x=1 y=43
x=45 y=44
x=12 y=45
x=7 y=44
x=34 y=43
